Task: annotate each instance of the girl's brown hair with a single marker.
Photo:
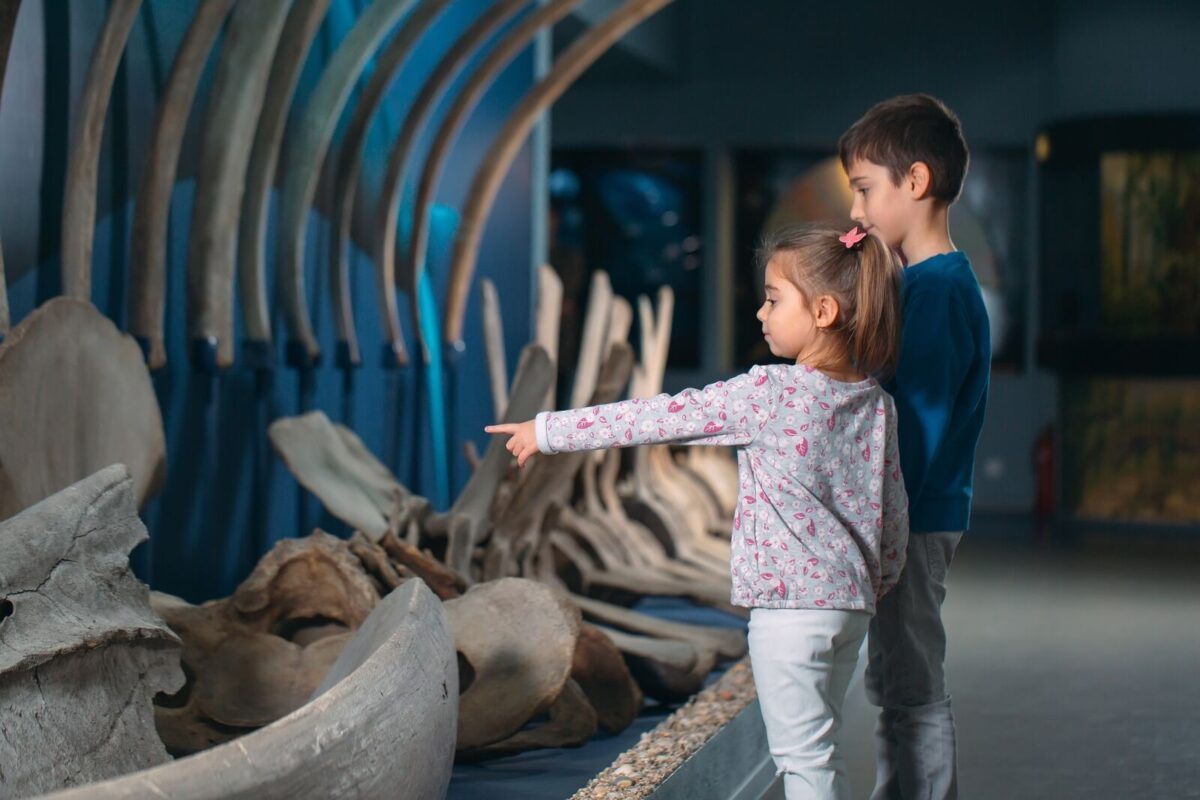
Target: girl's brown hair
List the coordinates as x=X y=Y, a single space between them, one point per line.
x=864 y=279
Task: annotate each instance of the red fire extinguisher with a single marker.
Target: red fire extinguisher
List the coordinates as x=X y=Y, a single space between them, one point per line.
x=1043 y=472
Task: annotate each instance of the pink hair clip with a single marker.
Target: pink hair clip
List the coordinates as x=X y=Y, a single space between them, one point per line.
x=852 y=237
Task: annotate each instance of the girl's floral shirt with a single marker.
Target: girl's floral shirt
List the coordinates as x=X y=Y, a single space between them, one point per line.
x=822 y=515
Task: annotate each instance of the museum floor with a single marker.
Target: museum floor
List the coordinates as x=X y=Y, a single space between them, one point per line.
x=1074 y=665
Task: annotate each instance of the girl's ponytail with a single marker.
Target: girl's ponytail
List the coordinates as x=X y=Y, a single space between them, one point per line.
x=875 y=341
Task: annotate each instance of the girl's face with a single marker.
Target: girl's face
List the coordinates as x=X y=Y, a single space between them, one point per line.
x=787 y=322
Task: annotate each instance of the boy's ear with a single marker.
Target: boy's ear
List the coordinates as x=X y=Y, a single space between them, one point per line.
x=918 y=180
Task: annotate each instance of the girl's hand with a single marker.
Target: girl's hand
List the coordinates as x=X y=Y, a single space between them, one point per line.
x=523 y=443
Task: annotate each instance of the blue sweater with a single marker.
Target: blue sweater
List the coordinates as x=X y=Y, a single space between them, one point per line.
x=940 y=388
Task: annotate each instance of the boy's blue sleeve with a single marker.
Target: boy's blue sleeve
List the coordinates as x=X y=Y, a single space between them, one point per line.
x=935 y=354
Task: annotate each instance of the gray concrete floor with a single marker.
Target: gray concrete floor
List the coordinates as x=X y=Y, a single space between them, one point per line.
x=1074 y=667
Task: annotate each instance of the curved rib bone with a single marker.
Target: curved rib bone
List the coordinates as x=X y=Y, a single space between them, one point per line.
x=486 y=185
x=493 y=334
x=389 y=197
x=513 y=43
x=298 y=31
x=729 y=643
x=669 y=670
x=148 y=271
x=349 y=165
x=549 y=322
x=305 y=156
x=237 y=98
x=79 y=199
x=595 y=346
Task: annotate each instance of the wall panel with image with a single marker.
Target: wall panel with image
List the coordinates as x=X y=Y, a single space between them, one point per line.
x=1150 y=243
x=1131 y=449
x=637 y=214
x=1120 y=312
x=1120 y=246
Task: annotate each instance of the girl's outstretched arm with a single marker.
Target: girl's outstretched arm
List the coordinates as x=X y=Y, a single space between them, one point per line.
x=731 y=412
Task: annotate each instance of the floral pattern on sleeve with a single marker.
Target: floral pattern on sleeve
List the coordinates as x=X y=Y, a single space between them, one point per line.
x=731 y=412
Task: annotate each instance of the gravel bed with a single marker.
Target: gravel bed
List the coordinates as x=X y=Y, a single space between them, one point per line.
x=642 y=768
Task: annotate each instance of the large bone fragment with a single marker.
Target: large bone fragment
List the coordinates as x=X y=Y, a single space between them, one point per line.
x=516 y=641
x=76 y=398
x=257 y=655
x=81 y=652
x=392 y=694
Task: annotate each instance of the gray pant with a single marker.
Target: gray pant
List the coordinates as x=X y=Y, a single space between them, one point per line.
x=916 y=748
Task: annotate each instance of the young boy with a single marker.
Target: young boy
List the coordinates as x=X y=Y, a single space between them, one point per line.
x=906 y=159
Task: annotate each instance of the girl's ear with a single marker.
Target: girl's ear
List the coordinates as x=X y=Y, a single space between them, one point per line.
x=826 y=310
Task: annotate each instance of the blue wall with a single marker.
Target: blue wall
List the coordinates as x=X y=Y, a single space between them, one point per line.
x=227 y=496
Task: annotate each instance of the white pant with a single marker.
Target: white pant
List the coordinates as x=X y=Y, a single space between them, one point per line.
x=802 y=661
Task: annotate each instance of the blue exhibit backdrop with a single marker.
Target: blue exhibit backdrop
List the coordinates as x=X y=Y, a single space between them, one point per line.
x=227 y=496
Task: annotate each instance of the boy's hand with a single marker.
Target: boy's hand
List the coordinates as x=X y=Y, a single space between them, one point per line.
x=523 y=443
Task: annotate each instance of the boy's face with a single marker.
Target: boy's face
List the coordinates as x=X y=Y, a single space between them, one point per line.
x=880 y=206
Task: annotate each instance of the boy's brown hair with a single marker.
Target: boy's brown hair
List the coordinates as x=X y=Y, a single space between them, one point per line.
x=899 y=132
